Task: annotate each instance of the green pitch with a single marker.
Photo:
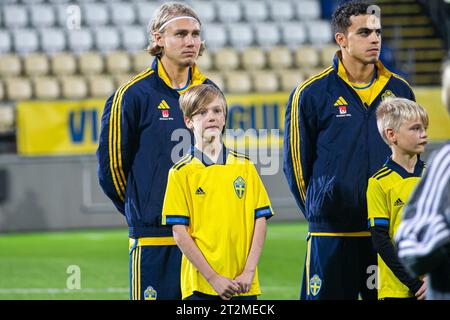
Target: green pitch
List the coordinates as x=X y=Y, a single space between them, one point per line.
x=43 y=265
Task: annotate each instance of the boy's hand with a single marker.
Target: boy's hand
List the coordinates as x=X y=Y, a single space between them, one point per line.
x=245 y=280
x=224 y=286
x=420 y=294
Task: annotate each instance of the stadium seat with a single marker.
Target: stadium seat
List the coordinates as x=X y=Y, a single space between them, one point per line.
x=68 y=15
x=255 y=11
x=133 y=38
x=290 y=79
x=310 y=72
x=106 y=39
x=18 y=89
x=90 y=63
x=145 y=11
x=25 y=40
x=2 y=94
x=36 y=64
x=215 y=36
x=281 y=10
x=95 y=14
x=101 y=86
x=7 y=115
x=293 y=34
x=205 y=61
x=241 y=35
x=80 y=40
x=253 y=59
x=238 y=82
x=5 y=41
x=205 y=10
x=267 y=35
x=229 y=11
x=218 y=79
x=280 y=58
x=15 y=16
x=308 y=10
x=63 y=64
x=46 y=88
x=122 y=13
x=73 y=87
x=10 y=66
x=120 y=79
x=306 y=56
x=52 y=40
x=327 y=54
x=265 y=81
x=319 y=32
x=226 y=59
x=141 y=60
x=118 y=62
x=42 y=16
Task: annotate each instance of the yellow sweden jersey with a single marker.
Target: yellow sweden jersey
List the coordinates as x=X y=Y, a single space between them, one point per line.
x=387 y=193
x=219 y=203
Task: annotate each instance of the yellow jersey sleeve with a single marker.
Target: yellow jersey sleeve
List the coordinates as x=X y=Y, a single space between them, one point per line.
x=263 y=207
x=377 y=208
x=175 y=207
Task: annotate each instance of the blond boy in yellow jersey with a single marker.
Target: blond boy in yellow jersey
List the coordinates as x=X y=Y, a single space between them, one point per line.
x=217 y=205
x=402 y=124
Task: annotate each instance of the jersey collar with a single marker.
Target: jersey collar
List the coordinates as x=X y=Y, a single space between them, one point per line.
x=222 y=160
x=394 y=166
x=195 y=76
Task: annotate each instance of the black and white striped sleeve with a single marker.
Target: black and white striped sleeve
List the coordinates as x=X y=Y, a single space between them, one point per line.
x=425 y=226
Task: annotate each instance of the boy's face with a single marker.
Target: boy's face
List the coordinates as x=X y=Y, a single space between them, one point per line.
x=363 y=38
x=208 y=121
x=411 y=137
x=181 y=42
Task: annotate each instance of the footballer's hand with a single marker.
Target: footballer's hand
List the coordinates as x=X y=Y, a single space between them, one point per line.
x=245 y=280
x=226 y=288
x=420 y=294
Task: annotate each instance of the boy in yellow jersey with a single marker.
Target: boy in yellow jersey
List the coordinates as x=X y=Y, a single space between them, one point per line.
x=217 y=205
x=402 y=124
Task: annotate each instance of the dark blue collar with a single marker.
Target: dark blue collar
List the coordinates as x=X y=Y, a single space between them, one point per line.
x=206 y=160
x=418 y=169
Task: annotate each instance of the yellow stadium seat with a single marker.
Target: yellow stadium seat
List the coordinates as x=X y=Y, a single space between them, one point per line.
x=90 y=63
x=141 y=60
x=280 y=58
x=327 y=54
x=63 y=64
x=265 y=81
x=2 y=91
x=238 y=82
x=290 y=79
x=226 y=59
x=73 y=87
x=101 y=86
x=120 y=79
x=310 y=72
x=10 y=65
x=36 y=64
x=46 y=88
x=18 y=89
x=118 y=62
x=253 y=58
x=307 y=56
x=205 y=61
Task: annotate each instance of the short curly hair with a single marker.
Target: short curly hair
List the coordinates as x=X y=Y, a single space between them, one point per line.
x=340 y=20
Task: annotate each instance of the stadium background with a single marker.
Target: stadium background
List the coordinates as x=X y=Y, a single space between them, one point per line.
x=60 y=59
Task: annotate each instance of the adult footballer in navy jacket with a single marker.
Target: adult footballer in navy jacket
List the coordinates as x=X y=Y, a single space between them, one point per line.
x=332 y=147
x=135 y=147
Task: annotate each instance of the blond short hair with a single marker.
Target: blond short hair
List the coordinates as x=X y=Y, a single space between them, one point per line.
x=166 y=12
x=393 y=112
x=193 y=99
